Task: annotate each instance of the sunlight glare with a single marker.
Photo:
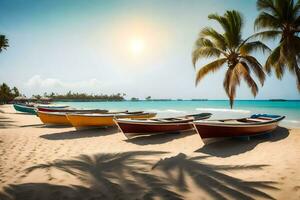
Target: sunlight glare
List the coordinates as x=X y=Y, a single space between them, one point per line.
x=137 y=46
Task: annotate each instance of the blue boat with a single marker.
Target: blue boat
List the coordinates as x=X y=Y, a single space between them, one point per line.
x=25 y=109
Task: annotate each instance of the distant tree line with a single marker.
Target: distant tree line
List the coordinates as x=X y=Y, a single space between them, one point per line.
x=70 y=96
x=7 y=94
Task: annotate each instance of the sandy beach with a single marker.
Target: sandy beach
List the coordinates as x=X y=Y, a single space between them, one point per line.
x=40 y=162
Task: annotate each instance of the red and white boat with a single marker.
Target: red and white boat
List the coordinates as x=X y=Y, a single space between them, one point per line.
x=244 y=127
x=141 y=127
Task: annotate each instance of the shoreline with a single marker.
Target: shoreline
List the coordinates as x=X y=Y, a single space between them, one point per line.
x=262 y=168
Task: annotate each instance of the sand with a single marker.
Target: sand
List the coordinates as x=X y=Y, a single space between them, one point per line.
x=40 y=162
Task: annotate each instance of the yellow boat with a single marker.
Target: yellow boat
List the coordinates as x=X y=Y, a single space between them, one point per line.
x=54 y=118
x=99 y=120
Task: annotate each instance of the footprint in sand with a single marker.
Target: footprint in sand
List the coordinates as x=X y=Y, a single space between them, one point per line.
x=297 y=188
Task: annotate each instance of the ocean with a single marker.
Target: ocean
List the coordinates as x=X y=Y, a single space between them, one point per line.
x=219 y=108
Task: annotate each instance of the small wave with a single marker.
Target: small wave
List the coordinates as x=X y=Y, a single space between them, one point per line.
x=167 y=111
x=223 y=110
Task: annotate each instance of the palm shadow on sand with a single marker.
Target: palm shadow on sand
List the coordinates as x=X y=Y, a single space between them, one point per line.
x=235 y=146
x=6 y=122
x=136 y=175
x=75 y=134
x=160 y=138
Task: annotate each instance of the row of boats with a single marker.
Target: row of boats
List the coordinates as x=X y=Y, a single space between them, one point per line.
x=140 y=123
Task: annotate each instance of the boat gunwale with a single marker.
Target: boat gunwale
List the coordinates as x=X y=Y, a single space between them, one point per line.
x=237 y=125
x=154 y=123
x=23 y=106
x=109 y=115
x=52 y=113
x=51 y=106
x=177 y=120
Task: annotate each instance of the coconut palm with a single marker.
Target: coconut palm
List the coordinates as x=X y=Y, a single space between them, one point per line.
x=281 y=19
x=3 y=42
x=230 y=49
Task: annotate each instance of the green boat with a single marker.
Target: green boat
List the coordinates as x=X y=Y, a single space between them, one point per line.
x=25 y=109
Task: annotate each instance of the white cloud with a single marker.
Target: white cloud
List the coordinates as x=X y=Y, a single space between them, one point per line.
x=37 y=84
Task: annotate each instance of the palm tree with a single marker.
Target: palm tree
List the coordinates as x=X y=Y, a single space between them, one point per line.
x=3 y=42
x=281 y=19
x=230 y=49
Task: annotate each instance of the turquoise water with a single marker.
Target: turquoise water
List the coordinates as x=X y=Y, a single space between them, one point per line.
x=219 y=108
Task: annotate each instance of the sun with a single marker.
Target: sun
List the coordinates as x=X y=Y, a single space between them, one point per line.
x=137 y=46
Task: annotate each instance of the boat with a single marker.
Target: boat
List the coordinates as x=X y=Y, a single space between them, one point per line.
x=53 y=106
x=54 y=118
x=244 y=127
x=25 y=108
x=83 y=120
x=142 y=127
x=64 y=110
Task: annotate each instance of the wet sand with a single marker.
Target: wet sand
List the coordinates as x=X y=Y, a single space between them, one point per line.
x=40 y=162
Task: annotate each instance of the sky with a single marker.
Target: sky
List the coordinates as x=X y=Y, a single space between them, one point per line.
x=140 y=48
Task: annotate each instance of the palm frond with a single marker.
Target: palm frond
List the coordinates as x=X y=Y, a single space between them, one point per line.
x=221 y=20
x=218 y=39
x=256 y=67
x=204 y=52
x=273 y=58
x=265 y=21
x=269 y=34
x=244 y=70
x=297 y=72
x=250 y=47
x=204 y=42
x=232 y=23
x=3 y=42
x=267 y=5
x=230 y=82
x=211 y=67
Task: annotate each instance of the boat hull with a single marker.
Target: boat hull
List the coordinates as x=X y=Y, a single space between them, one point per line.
x=133 y=130
x=215 y=131
x=25 y=109
x=83 y=121
x=54 y=119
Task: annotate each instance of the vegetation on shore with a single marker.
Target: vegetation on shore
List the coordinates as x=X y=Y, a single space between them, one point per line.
x=7 y=94
x=72 y=96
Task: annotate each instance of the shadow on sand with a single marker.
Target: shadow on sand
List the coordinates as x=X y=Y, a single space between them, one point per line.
x=160 y=138
x=33 y=125
x=136 y=175
x=20 y=113
x=235 y=146
x=75 y=134
x=6 y=122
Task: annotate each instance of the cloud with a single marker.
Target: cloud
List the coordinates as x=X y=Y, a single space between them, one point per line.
x=37 y=84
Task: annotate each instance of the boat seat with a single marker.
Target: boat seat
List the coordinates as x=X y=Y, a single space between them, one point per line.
x=264 y=118
x=257 y=120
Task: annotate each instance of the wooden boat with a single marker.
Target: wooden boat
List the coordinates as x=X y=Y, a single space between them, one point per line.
x=81 y=120
x=132 y=128
x=25 y=108
x=64 y=110
x=54 y=118
x=53 y=106
x=254 y=125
